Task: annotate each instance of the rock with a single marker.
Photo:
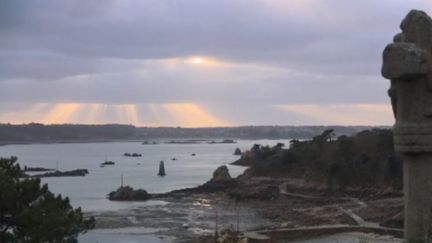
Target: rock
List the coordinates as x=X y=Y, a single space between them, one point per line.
x=132 y=155
x=221 y=174
x=108 y=163
x=237 y=152
x=222 y=142
x=127 y=193
x=77 y=172
x=161 y=169
x=247 y=159
x=36 y=169
x=149 y=143
x=221 y=180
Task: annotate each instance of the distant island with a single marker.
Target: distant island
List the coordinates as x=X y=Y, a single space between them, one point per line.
x=200 y=141
x=65 y=133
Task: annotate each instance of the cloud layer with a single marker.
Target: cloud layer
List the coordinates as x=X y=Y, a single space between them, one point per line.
x=215 y=62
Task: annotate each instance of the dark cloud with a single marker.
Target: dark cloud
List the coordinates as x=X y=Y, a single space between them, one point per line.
x=259 y=31
x=276 y=51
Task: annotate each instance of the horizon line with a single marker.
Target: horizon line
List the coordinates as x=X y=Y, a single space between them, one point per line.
x=187 y=127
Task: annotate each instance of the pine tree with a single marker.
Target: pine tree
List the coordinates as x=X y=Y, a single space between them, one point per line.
x=29 y=212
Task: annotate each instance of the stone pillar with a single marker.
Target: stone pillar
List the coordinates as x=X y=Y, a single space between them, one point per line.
x=407 y=63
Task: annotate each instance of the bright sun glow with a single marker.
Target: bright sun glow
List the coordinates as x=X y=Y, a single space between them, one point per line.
x=169 y=114
x=204 y=61
x=192 y=115
x=197 y=60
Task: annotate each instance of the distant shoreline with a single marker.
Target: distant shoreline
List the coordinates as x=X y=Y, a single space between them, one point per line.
x=66 y=133
x=66 y=142
x=167 y=141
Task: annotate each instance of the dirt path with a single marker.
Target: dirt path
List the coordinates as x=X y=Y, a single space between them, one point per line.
x=349 y=212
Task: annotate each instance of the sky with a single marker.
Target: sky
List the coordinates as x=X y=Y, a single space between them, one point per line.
x=197 y=63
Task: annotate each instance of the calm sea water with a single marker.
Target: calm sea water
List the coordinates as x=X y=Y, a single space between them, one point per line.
x=90 y=192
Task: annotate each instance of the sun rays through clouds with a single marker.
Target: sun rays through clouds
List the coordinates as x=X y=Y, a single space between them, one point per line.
x=171 y=114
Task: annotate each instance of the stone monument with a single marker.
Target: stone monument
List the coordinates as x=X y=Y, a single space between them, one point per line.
x=407 y=63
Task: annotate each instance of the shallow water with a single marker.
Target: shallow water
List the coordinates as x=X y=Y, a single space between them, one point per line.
x=93 y=237
x=90 y=192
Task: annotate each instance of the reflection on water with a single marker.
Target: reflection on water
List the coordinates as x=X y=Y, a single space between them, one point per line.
x=94 y=237
x=90 y=192
x=202 y=203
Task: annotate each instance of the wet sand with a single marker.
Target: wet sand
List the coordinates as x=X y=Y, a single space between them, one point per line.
x=187 y=215
x=181 y=219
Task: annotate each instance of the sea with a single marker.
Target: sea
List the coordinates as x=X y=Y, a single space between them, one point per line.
x=90 y=192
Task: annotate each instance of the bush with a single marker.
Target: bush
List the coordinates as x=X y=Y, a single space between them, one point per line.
x=366 y=158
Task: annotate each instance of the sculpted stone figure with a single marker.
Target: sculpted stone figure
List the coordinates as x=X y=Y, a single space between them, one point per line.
x=407 y=63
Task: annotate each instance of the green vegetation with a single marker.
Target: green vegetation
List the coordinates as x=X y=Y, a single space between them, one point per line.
x=29 y=212
x=364 y=159
x=39 y=133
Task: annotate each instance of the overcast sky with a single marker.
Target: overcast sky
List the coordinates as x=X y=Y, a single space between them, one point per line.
x=197 y=62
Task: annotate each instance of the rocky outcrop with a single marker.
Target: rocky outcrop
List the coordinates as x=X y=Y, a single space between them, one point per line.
x=127 y=193
x=221 y=174
x=161 y=169
x=36 y=169
x=77 y=172
x=247 y=159
x=237 y=152
x=222 y=142
x=132 y=155
x=149 y=143
x=221 y=180
x=107 y=163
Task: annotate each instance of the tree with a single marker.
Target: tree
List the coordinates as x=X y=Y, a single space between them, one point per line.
x=325 y=136
x=29 y=212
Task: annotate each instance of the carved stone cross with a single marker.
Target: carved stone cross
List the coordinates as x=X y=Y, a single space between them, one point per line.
x=407 y=63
